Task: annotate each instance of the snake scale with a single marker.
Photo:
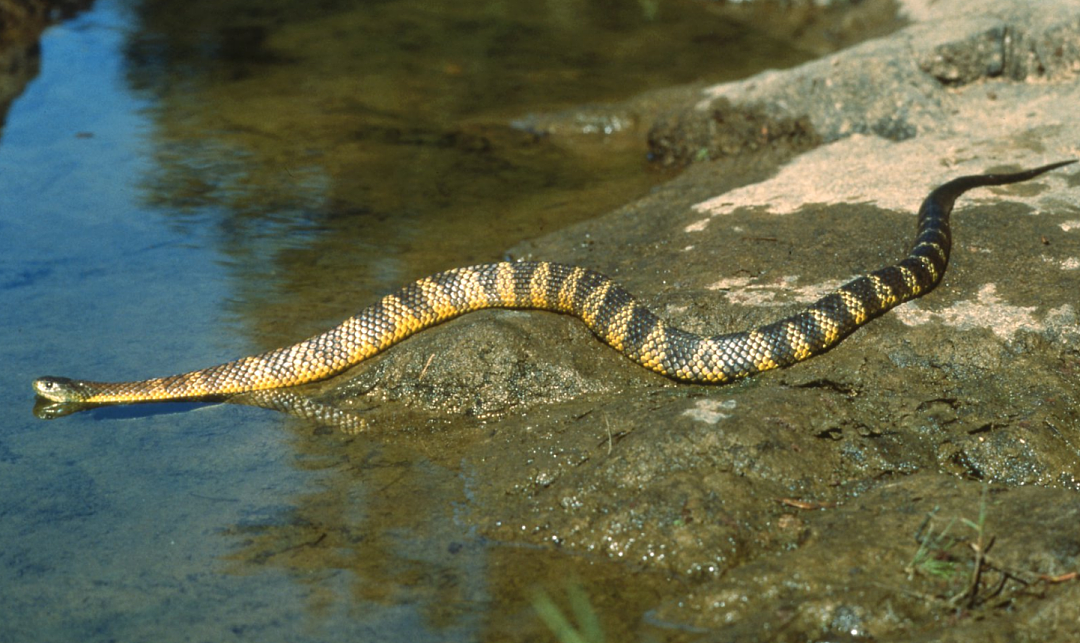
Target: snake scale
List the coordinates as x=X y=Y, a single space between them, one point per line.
x=606 y=308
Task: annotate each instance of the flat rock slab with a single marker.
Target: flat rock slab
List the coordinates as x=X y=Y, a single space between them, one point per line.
x=810 y=503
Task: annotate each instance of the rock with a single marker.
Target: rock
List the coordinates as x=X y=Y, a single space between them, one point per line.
x=895 y=87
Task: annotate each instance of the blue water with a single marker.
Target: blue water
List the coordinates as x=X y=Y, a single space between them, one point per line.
x=120 y=259
x=111 y=527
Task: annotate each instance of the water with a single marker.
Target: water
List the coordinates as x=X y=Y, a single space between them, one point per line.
x=186 y=182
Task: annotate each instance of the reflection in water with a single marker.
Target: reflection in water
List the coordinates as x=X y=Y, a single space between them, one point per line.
x=20 y=51
x=329 y=152
x=343 y=149
x=285 y=401
x=390 y=528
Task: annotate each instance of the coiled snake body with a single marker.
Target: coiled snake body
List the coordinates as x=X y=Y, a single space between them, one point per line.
x=608 y=310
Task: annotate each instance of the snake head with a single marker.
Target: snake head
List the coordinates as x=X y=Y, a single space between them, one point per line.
x=59 y=389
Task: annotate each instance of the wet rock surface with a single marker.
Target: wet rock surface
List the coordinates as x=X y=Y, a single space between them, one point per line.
x=809 y=503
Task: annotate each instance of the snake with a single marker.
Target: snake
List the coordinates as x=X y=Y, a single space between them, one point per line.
x=612 y=313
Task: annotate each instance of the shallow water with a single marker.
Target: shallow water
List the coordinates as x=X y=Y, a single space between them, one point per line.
x=186 y=182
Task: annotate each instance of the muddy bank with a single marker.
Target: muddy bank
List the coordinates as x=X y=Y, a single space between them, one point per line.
x=811 y=502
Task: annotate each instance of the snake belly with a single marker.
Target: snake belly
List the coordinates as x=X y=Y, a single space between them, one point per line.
x=612 y=313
